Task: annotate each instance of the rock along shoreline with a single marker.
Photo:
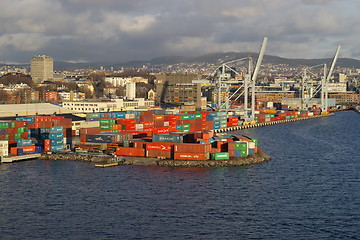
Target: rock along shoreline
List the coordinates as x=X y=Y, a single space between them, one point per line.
x=259 y=157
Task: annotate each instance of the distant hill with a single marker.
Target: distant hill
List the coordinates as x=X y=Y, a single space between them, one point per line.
x=218 y=58
x=211 y=58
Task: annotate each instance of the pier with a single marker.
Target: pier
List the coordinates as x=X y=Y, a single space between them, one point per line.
x=228 y=129
x=19 y=158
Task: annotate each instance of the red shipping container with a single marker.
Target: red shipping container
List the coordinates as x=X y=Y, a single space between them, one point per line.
x=172 y=118
x=147 y=124
x=159 y=146
x=129 y=127
x=163 y=130
x=83 y=138
x=57 y=117
x=128 y=151
x=157 y=153
x=89 y=131
x=146 y=113
x=148 y=118
x=191 y=156
x=159 y=123
x=11 y=130
x=126 y=121
x=139 y=144
x=25 y=135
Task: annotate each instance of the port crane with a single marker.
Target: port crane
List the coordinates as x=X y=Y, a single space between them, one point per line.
x=322 y=87
x=222 y=83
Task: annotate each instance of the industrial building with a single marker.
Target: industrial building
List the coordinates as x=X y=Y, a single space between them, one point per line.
x=42 y=68
x=178 y=89
x=108 y=105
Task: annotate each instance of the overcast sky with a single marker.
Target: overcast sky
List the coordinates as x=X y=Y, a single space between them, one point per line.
x=124 y=30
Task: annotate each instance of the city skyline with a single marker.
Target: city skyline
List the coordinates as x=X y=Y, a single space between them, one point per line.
x=118 y=31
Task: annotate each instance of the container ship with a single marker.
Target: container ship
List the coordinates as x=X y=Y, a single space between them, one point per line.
x=162 y=134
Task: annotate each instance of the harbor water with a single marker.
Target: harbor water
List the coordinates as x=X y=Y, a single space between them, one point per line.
x=310 y=190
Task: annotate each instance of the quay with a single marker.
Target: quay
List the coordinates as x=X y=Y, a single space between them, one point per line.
x=19 y=158
x=235 y=128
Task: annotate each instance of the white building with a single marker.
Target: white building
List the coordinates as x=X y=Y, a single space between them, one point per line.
x=71 y=96
x=118 y=81
x=130 y=90
x=121 y=81
x=108 y=105
x=339 y=87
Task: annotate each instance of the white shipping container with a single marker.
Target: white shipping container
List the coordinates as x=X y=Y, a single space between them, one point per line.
x=90 y=124
x=139 y=127
x=166 y=124
x=310 y=114
x=251 y=145
x=4 y=144
x=130 y=116
x=4 y=152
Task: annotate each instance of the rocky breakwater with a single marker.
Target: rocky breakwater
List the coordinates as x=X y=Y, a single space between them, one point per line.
x=78 y=157
x=259 y=157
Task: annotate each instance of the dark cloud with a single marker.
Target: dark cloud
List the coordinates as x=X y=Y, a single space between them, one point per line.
x=113 y=30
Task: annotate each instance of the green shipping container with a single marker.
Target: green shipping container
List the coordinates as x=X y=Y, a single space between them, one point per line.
x=105 y=127
x=241 y=146
x=198 y=116
x=220 y=156
x=292 y=116
x=4 y=125
x=21 y=129
x=17 y=136
x=93 y=115
x=243 y=153
x=107 y=121
x=185 y=127
x=185 y=117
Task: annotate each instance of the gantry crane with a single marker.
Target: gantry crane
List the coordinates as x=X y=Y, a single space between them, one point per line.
x=222 y=83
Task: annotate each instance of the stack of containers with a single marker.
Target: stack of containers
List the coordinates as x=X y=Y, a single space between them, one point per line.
x=192 y=151
x=163 y=150
x=13 y=130
x=108 y=125
x=54 y=141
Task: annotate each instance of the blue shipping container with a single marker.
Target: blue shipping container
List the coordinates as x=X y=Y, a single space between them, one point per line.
x=23 y=142
x=58 y=129
x=55 y=142
x=57 y=148
x=56 y=136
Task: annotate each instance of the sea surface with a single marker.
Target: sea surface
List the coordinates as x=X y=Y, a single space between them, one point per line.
x=310 y=190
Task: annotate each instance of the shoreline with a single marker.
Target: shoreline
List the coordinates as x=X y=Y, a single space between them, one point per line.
x=137 y=161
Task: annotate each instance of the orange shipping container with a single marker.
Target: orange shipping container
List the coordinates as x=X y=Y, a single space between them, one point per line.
x=192 y=148
x=27 y=149
x=128 y=151
x=158 y=117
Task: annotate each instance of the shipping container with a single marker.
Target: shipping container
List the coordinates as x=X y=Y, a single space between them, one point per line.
x=191 y=156
x=192 y=148
x=159 y=146
x=220 y=156
x=129 y=151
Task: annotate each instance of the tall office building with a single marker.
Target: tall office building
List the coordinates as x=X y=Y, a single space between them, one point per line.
x=42 y=68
